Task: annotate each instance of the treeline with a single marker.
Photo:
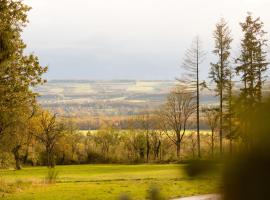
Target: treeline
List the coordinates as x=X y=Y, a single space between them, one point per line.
x=51 y=141
x=30 y=135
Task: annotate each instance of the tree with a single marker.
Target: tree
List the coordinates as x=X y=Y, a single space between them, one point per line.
x=156 y=136
x=193 y=58
x=19 y=135
x=134 y=142
x=175 y=115
x=229 y=116
x=220 y=70
x=48 y=133
x=252 y=62
x=211 y=116
x=146 y=125
x=18 y=72
x=106 y=137
x=251 y=65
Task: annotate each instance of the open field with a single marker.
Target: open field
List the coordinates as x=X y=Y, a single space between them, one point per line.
x=103 y=182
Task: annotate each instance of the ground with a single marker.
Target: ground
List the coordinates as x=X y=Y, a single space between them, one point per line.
x=103 y=182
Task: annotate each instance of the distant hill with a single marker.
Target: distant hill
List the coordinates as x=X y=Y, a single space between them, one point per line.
x=112 y=97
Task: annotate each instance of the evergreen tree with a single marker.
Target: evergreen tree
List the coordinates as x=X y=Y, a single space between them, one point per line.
x=252 y=62
x=220 y=71
x=251 y=65
x=229 y=115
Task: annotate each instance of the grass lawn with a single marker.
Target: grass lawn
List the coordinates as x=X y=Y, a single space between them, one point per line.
x=102 y=182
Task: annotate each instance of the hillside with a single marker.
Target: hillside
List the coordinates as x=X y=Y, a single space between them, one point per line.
x=110 y=98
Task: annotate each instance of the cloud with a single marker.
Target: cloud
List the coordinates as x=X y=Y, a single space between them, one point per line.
x=128 y=38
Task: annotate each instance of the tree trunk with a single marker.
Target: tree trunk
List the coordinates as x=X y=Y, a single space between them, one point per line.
x=147 y=147
x=212 y=143
x=198 y=105
x=25 y=157
x=178 y=150
x=48 y=159
x=221 y=129
x=157 y=150
x=221 y=110
x=16 y=154
x=231 y=147
x=49 y=155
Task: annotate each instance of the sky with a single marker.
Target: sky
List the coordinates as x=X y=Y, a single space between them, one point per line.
x=129 y=39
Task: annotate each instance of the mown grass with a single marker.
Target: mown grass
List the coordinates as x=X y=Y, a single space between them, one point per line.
x=104 y=182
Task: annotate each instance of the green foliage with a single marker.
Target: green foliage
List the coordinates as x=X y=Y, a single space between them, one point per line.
x=48 y=133
x=219 y=72
x=18 y=73
x=252 y=62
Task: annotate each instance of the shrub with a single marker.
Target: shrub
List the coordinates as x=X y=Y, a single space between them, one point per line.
x=51 y=176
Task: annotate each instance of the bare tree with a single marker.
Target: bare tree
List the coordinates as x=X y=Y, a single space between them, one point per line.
x=211 y=117
x=193 y=58
x=175 y=115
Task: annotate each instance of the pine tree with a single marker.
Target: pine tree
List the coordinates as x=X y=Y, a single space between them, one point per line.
x=220 y=70
x=252 y=62
x=229 y=111
x=251 y=65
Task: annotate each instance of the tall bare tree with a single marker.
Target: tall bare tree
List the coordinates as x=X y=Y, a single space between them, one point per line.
x=191 y=79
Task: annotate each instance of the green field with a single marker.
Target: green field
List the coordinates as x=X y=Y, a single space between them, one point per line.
x=85 y=182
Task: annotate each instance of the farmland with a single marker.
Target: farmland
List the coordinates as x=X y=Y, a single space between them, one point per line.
x=106 y=98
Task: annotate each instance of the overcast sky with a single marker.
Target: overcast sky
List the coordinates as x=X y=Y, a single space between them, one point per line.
x=129 y=39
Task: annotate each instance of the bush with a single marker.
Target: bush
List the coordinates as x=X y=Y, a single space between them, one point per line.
x=6 y=160
x=51 y=176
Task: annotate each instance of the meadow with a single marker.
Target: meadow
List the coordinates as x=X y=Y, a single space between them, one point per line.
x=102 y=182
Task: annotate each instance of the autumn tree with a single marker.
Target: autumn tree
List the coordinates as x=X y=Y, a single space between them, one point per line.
x=18 y=72
x=19 y=136
x=106 y=137
x=175 y=115
x=146 y=126
x=211 y=117
x=156 y=136
x=48 y=132
x=220 y=70
x=193 y=59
